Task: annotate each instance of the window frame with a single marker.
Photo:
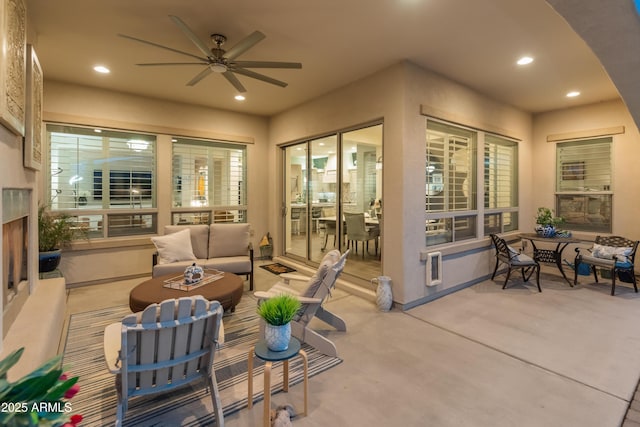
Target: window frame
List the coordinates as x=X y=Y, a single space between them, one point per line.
x=109 y=219
x=208 y=210
x=444 y=221
x=578 y=206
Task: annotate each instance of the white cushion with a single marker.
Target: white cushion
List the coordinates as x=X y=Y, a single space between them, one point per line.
x=607 y=252
x=316 y=280
x=199 y=237
x=174 y=247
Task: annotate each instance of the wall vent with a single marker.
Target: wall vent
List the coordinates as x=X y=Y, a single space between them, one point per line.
x=434 y=268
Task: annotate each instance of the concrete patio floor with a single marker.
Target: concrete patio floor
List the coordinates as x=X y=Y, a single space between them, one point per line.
x=480 y=357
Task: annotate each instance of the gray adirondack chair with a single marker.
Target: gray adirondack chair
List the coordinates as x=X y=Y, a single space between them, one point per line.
x=319 y=287
x=166 y=346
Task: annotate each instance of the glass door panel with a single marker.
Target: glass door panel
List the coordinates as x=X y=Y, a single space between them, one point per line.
x=361 y=188
x=295 y=200
x=326 y=178
x=322 y=196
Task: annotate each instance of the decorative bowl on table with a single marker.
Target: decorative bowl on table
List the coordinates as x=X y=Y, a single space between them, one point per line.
x=563 y=233
x=546 y=230
x=193 y=274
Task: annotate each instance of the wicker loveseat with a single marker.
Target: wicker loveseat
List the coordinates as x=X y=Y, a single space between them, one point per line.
x=225 y=247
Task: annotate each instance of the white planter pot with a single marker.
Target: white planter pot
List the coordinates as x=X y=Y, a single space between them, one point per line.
x=277 y=337
x=384 y=296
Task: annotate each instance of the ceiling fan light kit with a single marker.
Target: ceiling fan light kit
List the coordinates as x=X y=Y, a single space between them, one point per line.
x=217 y=60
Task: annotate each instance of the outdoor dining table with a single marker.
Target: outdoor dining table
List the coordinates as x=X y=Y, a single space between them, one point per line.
x=551 y=256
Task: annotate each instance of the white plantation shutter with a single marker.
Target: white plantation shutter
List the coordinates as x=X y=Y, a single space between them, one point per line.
x=584 y=186
x=96 y=172
x=208 y=174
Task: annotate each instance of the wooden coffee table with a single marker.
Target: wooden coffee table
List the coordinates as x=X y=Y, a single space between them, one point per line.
x=228 y=291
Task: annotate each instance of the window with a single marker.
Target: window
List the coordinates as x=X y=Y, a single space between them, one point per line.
x=209 y=182
x=500 y=184
x=98 y=172
x=450 y=183
x=584 y=185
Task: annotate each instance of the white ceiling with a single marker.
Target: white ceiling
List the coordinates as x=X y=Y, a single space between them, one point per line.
x=474 y=42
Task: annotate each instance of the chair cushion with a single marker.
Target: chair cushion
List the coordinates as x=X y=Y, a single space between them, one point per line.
x=230 y=264
x=228 y=240
x=607 y=252
x=522 y=260
x=316 y=280
x=174 y=247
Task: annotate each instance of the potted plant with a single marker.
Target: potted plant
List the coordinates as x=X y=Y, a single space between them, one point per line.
x=277 y=313
x=40 y=398
x=55 y=231
x=547 y=222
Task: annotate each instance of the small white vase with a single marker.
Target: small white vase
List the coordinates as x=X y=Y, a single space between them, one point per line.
x=277 y=337
x=384 y=296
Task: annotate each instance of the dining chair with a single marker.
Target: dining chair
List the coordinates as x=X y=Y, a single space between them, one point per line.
x=358 y=231
x=514 y=260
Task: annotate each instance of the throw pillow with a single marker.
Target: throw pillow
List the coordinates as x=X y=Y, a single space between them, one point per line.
x=174 y=247
x=512 y=252
x=316 y=280
x=607 y=252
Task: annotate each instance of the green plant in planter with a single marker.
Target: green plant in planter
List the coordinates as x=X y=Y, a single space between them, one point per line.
x=279 y=310
x=545 y=217
x=40 y=398
x=56 y=231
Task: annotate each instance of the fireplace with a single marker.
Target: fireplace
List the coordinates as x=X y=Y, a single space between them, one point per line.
x=15 y=239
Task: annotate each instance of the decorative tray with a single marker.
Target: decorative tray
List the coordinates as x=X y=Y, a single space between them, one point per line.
x=178 y=282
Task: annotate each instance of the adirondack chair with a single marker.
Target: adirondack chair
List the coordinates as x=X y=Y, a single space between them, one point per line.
x=167 y=346
x=318 y=288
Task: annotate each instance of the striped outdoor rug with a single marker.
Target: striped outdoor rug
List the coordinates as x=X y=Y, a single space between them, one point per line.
x=189 y=406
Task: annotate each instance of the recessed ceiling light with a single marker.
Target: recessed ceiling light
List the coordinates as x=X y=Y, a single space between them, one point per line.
x=239 y=97
x=573 y=94
x=101 y=69
x=174 y=140
x=97 y=130
x=525 y=60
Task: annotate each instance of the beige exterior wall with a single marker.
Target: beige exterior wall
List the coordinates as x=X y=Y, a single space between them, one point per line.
x=13 y=175
x=585 y=121
x=398 y=95
x=401 y=95
x=99 y=260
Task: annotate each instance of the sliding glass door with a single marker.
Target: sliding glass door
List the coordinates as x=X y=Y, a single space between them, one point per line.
x=324 y=179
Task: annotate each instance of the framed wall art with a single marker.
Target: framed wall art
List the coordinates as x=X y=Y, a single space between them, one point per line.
x=33 y=118
x=13 y=37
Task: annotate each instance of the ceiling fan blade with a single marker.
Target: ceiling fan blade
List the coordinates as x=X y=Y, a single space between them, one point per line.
x=201 y=75
x=266 y=64
x=163 y=47
x=234 y=81
x=153 y=64
x=262 y=77
x=191 y=35
x=243 y=45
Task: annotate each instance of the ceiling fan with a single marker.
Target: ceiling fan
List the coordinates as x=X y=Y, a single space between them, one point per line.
x=220 y=61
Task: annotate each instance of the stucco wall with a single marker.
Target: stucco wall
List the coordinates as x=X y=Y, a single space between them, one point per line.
x=583 y=121
x=398 y=94
x=13 y=175
x=67 y=103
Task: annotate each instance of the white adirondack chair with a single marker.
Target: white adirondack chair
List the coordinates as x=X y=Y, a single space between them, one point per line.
x=318 y=288
x=167 y=346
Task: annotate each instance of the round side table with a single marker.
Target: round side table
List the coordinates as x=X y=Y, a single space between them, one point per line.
x=261 y=351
